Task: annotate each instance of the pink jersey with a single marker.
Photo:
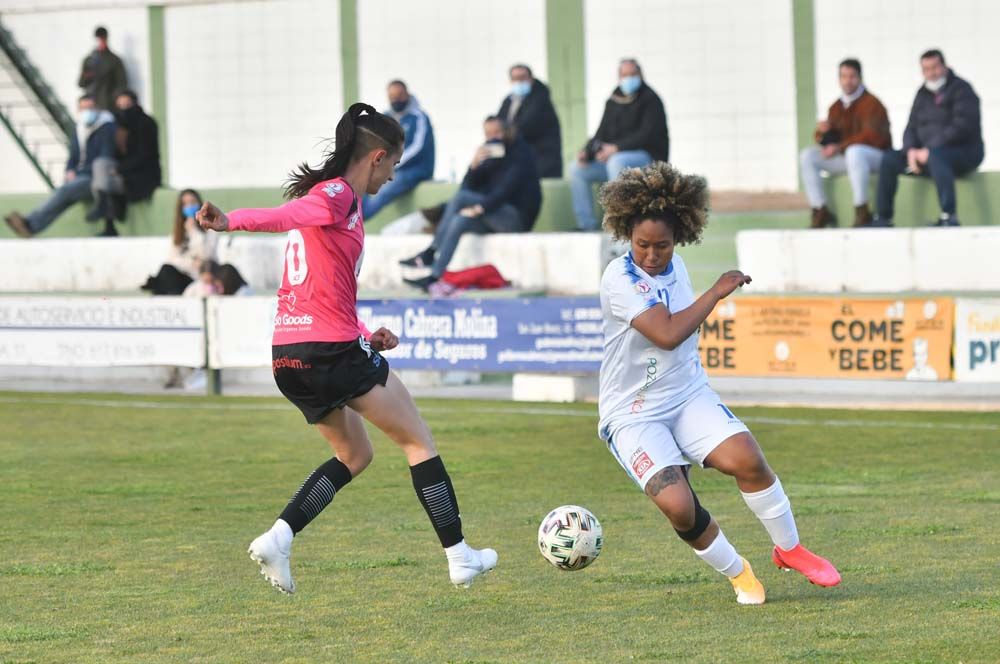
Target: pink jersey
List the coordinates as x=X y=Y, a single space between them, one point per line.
x=317 y=300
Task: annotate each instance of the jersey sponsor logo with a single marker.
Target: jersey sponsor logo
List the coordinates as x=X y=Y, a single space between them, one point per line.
x=640 y=397
x=333 y=189
x=641 y=463
x=289 y=301
x=353 y=221
x=642 y=287
x=287 y=320
x=285 y=362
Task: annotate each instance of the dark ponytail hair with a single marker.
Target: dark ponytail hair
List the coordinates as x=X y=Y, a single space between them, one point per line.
x=361 y=130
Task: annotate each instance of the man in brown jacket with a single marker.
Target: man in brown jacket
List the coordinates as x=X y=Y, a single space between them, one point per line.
x=103 y=75
x=851 y=140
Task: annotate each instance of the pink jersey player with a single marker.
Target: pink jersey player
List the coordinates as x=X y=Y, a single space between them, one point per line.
x=324 y=359
x=317 y=300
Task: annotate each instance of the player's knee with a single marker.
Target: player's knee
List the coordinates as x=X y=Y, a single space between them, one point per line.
x=357 y=461
x=694 y=525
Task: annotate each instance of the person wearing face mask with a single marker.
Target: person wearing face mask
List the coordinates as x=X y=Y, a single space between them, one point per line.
x=191 y=247
x=138 y=143
x=93 y=142
x=500 y=194
x=417 y=162
x=943 y=139
x=851 y=140
x=103 y=73
x=528 y=108
x=633 y=132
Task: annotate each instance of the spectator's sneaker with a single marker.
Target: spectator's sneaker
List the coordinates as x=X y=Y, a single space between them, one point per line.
x=748 y=589
x=881 y=222
x=423 y=283
x=946 y=220
x=818 y=570
x=466 y=563
x=273 y=561
x=109 y=229
x=18 y=224
x=424 y=259
x=822 y=217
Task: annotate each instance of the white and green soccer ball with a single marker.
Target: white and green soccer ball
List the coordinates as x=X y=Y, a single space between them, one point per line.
x=570 y=537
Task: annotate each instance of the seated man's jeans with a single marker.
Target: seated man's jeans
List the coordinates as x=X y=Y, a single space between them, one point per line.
x=103 y=178
x=583 y=176
x=943 y=165
x=504 y=219
x=403 y=182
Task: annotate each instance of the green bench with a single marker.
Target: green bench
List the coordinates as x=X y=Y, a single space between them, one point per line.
x=916 y=199
x=155 y=217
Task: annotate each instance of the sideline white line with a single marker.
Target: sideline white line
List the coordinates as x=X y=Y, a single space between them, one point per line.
x=191 y=404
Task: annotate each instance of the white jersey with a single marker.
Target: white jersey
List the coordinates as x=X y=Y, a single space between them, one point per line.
x=640 y=382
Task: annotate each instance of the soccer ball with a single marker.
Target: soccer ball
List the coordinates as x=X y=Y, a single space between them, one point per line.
x=570 y=537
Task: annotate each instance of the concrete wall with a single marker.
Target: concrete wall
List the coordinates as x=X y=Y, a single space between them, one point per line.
x=454 y=56
x=889 y=36
x=725 y=73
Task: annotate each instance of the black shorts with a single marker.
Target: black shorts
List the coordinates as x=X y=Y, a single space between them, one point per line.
x=321 y=376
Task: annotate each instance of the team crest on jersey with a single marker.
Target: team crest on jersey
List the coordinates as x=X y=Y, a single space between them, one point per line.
x=353 y=220
x=289 y=300
x=641 y=463
x=642 y=287
x=333 y=189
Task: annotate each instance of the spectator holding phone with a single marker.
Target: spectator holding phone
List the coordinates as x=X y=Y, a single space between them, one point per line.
x=500 y=194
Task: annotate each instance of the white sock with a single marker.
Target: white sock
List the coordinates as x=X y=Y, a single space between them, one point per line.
x=283 y=533
x=774 y=511
x=458 y=551
x=722 y=557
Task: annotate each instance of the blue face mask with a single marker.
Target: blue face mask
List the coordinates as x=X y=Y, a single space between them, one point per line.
x=520 y=88
x=88 y=116
x=630 y=85
x=190 y=210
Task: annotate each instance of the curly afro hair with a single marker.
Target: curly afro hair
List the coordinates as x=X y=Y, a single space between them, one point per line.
x=658 y=191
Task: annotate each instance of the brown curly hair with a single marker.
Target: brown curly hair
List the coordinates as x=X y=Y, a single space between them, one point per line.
x=658 y=191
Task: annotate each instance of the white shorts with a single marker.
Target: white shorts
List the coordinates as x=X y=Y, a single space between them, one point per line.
x=686 y=434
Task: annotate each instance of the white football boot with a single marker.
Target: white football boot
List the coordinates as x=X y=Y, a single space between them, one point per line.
x=273 y=558
x=466 y=563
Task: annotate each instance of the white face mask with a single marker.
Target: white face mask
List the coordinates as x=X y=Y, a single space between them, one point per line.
x=936 y=84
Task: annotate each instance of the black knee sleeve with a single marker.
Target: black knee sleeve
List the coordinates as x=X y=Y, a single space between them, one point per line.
x=701 y=520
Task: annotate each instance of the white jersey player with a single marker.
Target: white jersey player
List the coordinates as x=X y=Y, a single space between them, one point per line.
x=658 y=413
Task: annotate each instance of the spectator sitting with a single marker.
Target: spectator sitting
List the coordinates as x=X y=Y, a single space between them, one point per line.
x=417 y=161
x=424 y=220
x=103 y=74
x=138 y=143
x=90 y=165
x=633 y=133
x=229 y=281
x=528 y=109
x=500 y=194
x=851 y=140
x=207 y=282
x=943 y=138
x=192 y=246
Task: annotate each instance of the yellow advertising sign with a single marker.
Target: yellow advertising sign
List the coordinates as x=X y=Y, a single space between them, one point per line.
x=829 y=337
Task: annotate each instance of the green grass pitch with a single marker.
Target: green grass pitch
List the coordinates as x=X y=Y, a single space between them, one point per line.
x=126 y=523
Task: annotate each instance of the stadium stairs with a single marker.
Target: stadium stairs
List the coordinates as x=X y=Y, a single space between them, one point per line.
x=31 y=112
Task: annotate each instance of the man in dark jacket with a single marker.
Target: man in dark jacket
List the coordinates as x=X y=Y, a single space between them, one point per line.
x=943 y=138
x=528 y=108
x=633 y=133
x=103 y=73
x=92 y=145
x=500 y=194
x=138 y=148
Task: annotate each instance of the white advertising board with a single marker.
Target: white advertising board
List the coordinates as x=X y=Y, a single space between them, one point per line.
x=101 y=331
x=239 y=331
x=977 y=340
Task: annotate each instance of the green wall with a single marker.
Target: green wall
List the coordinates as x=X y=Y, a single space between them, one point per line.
x=567 y=73
x=804 y=35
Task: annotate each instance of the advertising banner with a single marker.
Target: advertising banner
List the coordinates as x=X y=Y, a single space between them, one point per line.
x=830 y=337
x=101 y=331
x=977 y=340
x=538 y=334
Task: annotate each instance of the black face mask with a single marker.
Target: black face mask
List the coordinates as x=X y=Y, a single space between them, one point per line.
x=399 y=106
x=128 y=116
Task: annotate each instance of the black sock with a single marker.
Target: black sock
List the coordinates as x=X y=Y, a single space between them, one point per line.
x=315 y=494
x=434 y=490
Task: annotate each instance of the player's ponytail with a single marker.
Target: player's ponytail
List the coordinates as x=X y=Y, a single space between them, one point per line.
x=360 y=130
